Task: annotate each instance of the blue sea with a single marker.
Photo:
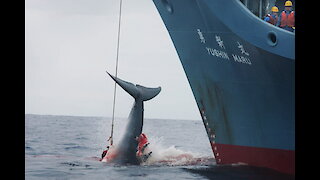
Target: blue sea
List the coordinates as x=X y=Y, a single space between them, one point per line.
x=69 y=147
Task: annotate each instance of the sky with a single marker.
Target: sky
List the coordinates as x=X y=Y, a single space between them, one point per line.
x=70 y=44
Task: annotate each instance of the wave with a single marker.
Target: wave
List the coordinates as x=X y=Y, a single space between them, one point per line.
x=171 y=156
x=78 y=147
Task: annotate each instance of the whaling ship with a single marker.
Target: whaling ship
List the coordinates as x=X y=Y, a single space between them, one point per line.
x=242 y=74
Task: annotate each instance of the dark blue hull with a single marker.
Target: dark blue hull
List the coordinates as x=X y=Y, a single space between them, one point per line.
x=242 y=74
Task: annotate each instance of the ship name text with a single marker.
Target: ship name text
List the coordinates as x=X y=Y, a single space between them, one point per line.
x=221 y=51
x=241 y=59
x=217 y=53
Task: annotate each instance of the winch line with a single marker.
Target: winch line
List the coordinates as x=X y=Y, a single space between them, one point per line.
x=116 y=75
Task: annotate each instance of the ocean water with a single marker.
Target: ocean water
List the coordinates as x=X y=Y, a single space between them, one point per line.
x=68 y=147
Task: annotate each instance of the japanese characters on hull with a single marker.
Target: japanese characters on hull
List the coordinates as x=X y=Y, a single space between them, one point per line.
x=221 y=51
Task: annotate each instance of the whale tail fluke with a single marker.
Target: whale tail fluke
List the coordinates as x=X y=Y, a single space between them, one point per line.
x=137 y=91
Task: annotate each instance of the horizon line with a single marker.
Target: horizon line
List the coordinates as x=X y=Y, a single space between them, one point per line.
x=180 y=119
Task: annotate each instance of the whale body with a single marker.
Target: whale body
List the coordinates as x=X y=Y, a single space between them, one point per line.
x=127 y=147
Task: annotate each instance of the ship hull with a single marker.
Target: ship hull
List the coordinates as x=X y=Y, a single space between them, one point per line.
x=241 y=71
x=278 y=159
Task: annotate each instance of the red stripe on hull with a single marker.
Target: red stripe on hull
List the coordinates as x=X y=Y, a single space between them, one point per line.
x=280 y=160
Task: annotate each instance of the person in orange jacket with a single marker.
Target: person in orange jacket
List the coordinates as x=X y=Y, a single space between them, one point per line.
x=273 y=17
x=287 y=17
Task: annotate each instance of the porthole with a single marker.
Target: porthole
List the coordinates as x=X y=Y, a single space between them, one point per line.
x=167 y=5
x=272 y=38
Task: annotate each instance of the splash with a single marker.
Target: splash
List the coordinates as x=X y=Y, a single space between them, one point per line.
x=168 y=156
x=171 y=156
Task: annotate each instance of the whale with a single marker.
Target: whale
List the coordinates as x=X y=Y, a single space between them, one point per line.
x=127 y=146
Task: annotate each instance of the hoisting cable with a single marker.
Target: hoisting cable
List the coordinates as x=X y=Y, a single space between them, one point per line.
x=115 y=84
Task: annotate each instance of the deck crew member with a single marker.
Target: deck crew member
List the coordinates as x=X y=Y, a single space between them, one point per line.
x=273 y=17
x=286 y=18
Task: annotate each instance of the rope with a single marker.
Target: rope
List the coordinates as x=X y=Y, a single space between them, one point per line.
x=115 y=84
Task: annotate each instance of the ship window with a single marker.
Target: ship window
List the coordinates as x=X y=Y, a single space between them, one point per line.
x=259 y=7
